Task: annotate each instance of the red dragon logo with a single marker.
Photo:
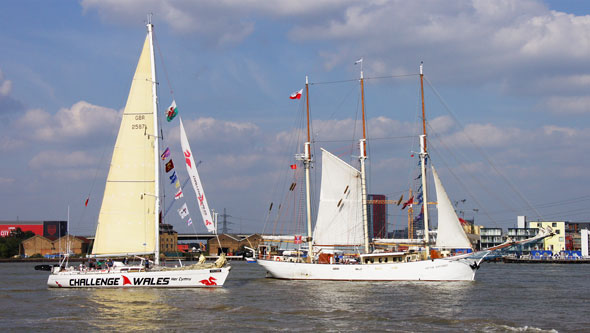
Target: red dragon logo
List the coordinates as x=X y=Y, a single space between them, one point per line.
x=210 y=282
x=187 y=154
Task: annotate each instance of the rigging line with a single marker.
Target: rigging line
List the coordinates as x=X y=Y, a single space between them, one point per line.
x=339 y=106
x=410 y=161
x=356 y=116
x=581 y=212
x=173 y=202
x=485 y=212
x=366 y=78
x=163 y=66
x=389 y=76
x=475 y=179
x=549 y=205
x=512 y=186
x=564 y=202
x=293 y=146
x=102 y=157
x=369 y=139
x=281 y=181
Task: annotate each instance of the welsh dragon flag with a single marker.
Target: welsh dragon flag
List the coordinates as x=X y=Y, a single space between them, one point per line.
x=172 y=111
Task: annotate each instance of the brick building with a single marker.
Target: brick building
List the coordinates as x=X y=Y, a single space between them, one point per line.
x=230 y=244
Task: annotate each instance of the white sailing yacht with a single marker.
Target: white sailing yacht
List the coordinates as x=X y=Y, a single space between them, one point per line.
x=341 y=230
x=128 y=222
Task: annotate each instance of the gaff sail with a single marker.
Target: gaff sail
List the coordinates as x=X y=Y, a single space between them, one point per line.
x=193 y=174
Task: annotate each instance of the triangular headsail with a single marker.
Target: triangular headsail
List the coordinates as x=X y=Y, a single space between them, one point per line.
x=450 y=233
x=126 y=222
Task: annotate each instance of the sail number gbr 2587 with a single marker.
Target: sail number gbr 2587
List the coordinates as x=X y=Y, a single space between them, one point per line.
x=139 y=126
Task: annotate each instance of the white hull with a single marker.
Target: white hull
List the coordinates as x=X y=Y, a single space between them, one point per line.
x=193 y=278
x=425 y=270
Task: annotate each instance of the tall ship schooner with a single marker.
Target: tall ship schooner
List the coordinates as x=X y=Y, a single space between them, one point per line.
x=339 y=247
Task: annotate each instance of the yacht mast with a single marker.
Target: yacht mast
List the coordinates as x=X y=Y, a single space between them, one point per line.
x=362 y=158
x=423 y=157
x=150 y=28
x=307 y=165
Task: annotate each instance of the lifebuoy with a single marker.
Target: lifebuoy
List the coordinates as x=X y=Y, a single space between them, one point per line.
x=277 y=258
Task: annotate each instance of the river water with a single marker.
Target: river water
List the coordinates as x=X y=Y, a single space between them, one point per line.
x=504 y=298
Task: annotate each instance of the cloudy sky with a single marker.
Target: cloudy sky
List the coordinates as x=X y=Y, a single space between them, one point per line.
x=507 y=100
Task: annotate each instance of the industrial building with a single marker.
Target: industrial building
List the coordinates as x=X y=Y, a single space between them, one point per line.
x=47 y=229
x=45 y=246
x=377 y=215
x=231 y=244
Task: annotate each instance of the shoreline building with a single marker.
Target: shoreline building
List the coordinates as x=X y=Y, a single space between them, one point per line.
x=555 y=243
x=47 y=229
x=377 y=215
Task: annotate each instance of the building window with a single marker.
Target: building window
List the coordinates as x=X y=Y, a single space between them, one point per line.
x=557 y=231
x=554 y=224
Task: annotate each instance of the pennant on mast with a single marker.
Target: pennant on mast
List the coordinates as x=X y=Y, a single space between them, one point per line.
x=195 y=180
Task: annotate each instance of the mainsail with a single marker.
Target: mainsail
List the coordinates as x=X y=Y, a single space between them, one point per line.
x=450 y=233
x=340 y=219
x=191 y=168
x=126 y=222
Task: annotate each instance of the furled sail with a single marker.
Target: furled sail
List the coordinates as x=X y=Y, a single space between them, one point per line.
x=126 y=222
x=340 y=219
x=450 y=232
x=193 y=174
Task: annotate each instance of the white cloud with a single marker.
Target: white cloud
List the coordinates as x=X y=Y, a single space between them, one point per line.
x=81 y=120
x=568 y=132
x=496 y=43
x=441 y=124
x=211 y=130
x=5 y=85
x=484 y=135
x=6 y=181
x=567 y=104
x=57 y=159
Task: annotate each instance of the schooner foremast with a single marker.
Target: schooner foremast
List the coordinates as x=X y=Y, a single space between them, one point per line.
x=423 y=157
x=307 y=165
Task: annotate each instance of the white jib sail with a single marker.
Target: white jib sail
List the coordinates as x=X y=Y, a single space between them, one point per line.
x=340 y=217
x=193 y=174
x=450 y=232
x=126 y=222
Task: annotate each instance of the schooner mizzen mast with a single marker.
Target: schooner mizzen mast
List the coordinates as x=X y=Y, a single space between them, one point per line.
x=423 y=157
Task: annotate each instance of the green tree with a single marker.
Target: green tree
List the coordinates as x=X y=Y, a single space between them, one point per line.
x=9 y=246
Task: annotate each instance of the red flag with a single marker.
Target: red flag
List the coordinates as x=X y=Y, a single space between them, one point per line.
x=296 y=95
x=169 y=166
x=293 y=166
x=297 y=239
x=86 y=203
x=463 y=222
x=409 y=202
